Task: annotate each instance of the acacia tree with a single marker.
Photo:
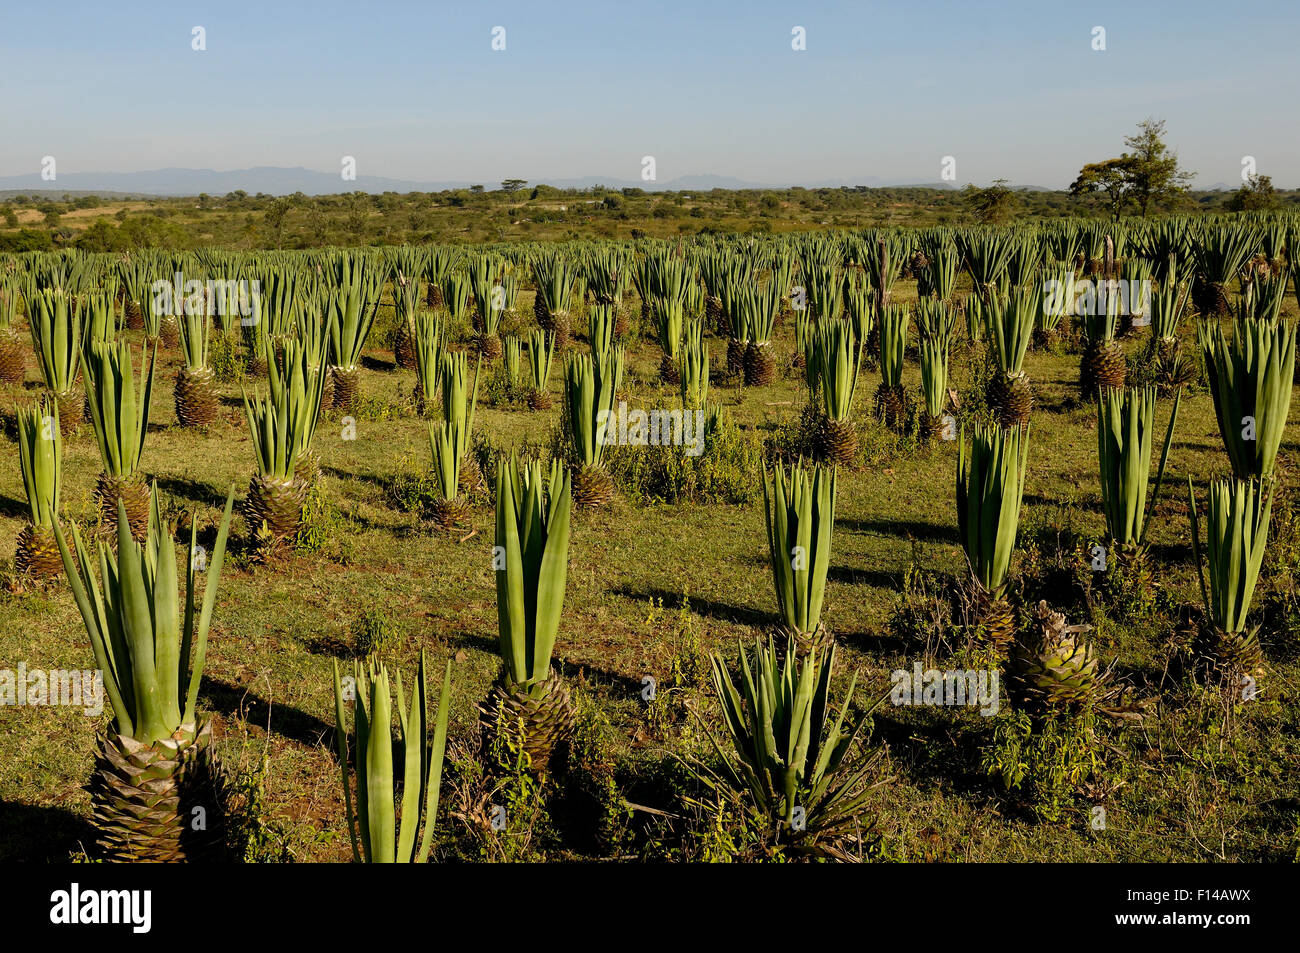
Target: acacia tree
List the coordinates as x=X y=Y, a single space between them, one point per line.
x=1257 y=194
x=1107 y=178
x=992 y=205
x=1152 y=173
x=1145 y=175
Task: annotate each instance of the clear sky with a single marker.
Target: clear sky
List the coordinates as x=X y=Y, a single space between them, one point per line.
x=415 y=91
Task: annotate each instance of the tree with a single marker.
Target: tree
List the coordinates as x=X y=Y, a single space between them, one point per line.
x=991 y=205
x=274 y=219
x=1152 y=173
x=1256 y=195
x=1109 y=178
x=513 y=185
x=11 y=217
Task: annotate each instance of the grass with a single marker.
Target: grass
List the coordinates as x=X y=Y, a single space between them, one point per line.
x=649 y=589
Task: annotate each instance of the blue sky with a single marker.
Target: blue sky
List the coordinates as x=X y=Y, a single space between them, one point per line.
x=414 y=90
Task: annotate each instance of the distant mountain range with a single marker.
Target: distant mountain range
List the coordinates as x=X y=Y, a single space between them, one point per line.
x=276 y=180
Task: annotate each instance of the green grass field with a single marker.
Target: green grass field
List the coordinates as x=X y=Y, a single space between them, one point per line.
x=650 y=588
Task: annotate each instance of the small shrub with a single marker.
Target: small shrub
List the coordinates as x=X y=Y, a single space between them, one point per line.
x=323 y=524
x=726 y=472
x=227 y=364
x=373 y=633
x=1044 y=761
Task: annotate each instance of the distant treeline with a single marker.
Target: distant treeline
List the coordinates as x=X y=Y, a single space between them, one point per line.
x=239 y=220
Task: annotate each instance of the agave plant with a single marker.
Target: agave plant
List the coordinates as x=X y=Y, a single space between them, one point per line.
x=120 y=414
x=430 y=348
x=935 y=321
x=255 y=333
x=737 y=314
x=882 y=258
x=602 y=322
x=1011 y=320
x=136 y=279
x=990 y=485
x=860 y=303
x=455 y=470
x=13 y=353
x=1250 y=380
x=762 y=305
x=1236 y=534
x=1102 y=366
x=489 y=305
x=977 y=318
x=988 y=254
x=439 y=262
x=800 y=511
x=1221 y=252
x=40 y=457
x=280 y=427
x=667 y=315
x=694 y=368
x=554 y=280
x=456 y=291
x=512 y=360
x=313 y=335
x=937 y=277
x=1125 y=432
x=56 y=327
x=891 y=402
x=385 y=827
x=296 y=381
x=541 y=355
x=1263 y=297
x=824 y=288
x=153 y=770
x=1058 y=291
x=99 y=320
x=195 y=392
x=1164 y=352
x=790 y=751
x=531 y=556
x=607 y=276
x=350 y=312
x=406 y=298
x=590 y=388
x=837 y=361
x=1052 y=666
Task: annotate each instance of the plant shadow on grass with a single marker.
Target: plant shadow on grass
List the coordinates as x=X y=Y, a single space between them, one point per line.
x=934 y=751
x=903 y=529
x=890 y=579
x=719 y=611
x=46 y=835
x=376 y=364
x=286 y=721
x=1087 y=504
x=874 y=643
x=604 y=680
x=17 y=509
x=193 y=491
x=381 y=483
